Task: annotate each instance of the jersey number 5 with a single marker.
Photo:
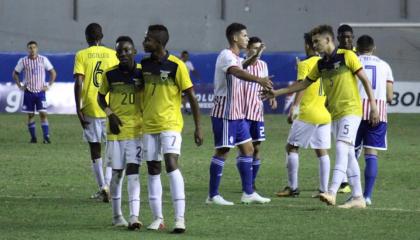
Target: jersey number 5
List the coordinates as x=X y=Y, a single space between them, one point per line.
x=97 y=71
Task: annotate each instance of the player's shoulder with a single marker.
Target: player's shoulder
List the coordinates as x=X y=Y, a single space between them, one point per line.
x=111 y=69
x=175 y=59
x=346 y=52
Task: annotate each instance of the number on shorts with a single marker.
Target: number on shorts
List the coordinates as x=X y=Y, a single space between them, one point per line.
x=138 y=155
x=262 y=133
x=346 y=129
x=97 y=70
x=173 y=140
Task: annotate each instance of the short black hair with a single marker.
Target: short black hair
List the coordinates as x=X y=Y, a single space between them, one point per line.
x=233 y=29
x=124 y=39
x=308 y=39
x=323 y=29
x=185 y=52
x=31 y=42
x=163 y=33
x=344 y=28
x=93 y=32
x=253 y=40
x=365 y=43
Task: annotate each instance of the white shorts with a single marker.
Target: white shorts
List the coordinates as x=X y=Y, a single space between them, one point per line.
x=155 y=145
x=95 y=132
x=120 y=153
x=317 y=136
x=345 y=128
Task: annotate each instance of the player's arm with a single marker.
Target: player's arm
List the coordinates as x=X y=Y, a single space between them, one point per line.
x=252 y=59
x=297 y=86
x=195 y=109
x=244 y=75
x=19 y=84
x=374 y=114
x=78 y=84
x=53 y=77
x=389 y=91
x=294 y=106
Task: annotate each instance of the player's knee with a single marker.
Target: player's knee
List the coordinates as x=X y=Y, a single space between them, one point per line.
x=256 y=146
x=290 y=148
x=132 y=169
x=221 y=152
x=43 y=116
x=154 y=167
x=117 y=174
x=95 y=151
x=31 y=116
x=171 y=162
x=321 y=152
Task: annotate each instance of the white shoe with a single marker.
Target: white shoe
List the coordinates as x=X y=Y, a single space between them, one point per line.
x=157 y=224
x=105 y=194
x=179 y=226
x=119 y=221
x=368 y=201
x=134 y=223
x=328 y=198
x=355 y=202
x=218 y=200
x=253 y=198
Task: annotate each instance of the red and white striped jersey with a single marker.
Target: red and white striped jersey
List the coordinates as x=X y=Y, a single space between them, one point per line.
x=228 y=90
x=254 y=107
x=34 y=78
x=379 y=74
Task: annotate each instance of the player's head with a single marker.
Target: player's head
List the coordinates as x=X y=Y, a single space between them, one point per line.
x=185 y=56
x=93 y=33
x=365 y=44
x=236 y=34
x=253 y=44
x=32 y=48
x=157 y=37
x=345 y=37
x=124 y=46
x=309 y=47
x=322 y=38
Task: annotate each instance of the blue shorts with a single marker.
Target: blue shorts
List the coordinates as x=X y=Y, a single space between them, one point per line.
x=256 y=129
x=371 y=137
x=33 y=102
x=229 y=133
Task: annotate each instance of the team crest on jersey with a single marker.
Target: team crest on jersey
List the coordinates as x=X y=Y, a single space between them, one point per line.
x=337 y=65
x=164 y=75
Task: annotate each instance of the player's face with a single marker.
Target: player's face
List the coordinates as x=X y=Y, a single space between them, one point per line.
x=150 y=43
x=125 y=53
x=320 y=42
x=185 y=57
x=241 y=39
x=346 y=40
x=253 y=48
x=32 y=50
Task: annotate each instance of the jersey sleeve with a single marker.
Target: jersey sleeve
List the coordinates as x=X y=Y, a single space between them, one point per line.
x=47 y=64
x=104 y=88
x=302 y=70
x=182 y=77
x=352 y=61
x=190 y=66
x=78 y=64
x=389 y=75
x=19 y=66
x=314 y=73
x=228 y=60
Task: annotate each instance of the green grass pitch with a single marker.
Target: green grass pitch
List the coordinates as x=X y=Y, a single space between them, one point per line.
x=45 y=189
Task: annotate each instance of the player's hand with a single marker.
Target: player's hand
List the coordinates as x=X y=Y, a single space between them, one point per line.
x=267 y=94
x=297 y=61
x=260 y=49
x=82 y=120
x=273 y=103
x=22 y=87
x=114 y=123
x=292 y=114
x=374 y=116
x=198 y=136
x=45 y=88
x=266 y=82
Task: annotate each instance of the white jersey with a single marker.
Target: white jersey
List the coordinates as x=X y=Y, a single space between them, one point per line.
x=254 y=107
x=189 y=65
x=379 y=74
x=34 y=69
x=228 y=89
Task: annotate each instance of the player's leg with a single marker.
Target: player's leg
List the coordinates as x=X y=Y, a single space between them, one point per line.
x=41 y=106
x=108 y=167
x=171 y=148
x=256 y=162
x=152 y=149
x=133 y=151
x=29 y=108
x=320 y=142
x=223 y=142
x=31 y=127
x=115 y=153
x=257 y=132
x=292 y=166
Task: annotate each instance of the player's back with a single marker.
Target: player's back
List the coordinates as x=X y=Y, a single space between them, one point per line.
x=91 y=62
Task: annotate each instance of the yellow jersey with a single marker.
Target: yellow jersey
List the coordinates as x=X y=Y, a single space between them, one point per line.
x=91 y=63
x=312 y=105
x=164 y=81
x=124 y=100
x=337 y=73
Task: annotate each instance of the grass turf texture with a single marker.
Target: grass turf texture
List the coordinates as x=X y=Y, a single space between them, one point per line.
x=45 y=189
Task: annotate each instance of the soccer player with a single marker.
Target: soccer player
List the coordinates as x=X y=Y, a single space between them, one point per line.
x=89 y=65
x=185 y=57
x=34 y=87
x=166 y=77
x=373 y=138
x=124 y=147
x=311 y=128
x=337 y=70
x=228 y=118
x=254 y=107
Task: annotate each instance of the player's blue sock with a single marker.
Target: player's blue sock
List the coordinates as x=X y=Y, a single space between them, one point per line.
x=216 y=172
x=244 y=165
x=31 y=128
x=45 y=129
x=255 y=167
x=371 y=170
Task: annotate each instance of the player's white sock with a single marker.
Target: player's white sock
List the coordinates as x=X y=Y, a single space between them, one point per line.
x=292 y=169
x=98 y=172
x=108 y=175
x=178 y=194
x=133 y=188
x=353 y=172
x=345 y=179
x=340 y=168
x=155 y=195
x=116 y=185
x=324 y=172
